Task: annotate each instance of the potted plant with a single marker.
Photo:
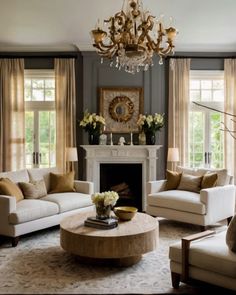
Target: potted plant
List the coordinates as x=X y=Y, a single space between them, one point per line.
x=104 y=202
x=149 y=124
x=92 y=123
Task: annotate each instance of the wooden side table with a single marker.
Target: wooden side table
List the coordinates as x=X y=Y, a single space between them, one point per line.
x=123 y=245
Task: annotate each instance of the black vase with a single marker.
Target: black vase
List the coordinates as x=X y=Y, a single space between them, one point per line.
x=93 y=138
x=150 y=138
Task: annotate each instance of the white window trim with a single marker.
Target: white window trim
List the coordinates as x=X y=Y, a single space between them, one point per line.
x=39 y=105
x=207 y=75
x=218 y=105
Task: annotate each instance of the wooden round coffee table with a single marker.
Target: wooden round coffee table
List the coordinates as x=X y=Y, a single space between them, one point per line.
x=123 y=245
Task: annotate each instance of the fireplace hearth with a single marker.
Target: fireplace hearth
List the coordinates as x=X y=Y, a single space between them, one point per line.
x=126 y=180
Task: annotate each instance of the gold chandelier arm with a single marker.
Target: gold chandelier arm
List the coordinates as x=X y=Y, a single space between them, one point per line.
x=128 y=39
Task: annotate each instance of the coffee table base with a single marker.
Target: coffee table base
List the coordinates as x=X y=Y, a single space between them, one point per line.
x=123 y=262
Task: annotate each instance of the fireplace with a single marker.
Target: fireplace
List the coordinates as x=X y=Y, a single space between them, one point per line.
x=126 y=180
x=142 y=157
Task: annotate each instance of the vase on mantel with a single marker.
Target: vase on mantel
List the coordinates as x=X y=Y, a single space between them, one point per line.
x=93 y=138
x=142 y=138
x=150 y=137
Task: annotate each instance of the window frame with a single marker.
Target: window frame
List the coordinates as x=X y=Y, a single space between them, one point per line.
x=218 y=105
x=37 y=106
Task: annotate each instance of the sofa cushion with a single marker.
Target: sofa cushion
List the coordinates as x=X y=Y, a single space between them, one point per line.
x=42 y=173
x=69 y=201
x=209 y=180
x=33 y=190
x=210 y=253
x=9 y=188
x=16 y=176
x=177 y=200
x=190 y=171
x=60 y=183
x=28 y=210
x=231 y=235
x=190 y=183
x=172 y=180
x=222 y=175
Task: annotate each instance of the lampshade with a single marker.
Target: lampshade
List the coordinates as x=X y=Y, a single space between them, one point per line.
x=173 y=155
x=71 y=154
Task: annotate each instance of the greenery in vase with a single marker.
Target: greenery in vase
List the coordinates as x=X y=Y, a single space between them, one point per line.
x=150 y=123
x=92 y=123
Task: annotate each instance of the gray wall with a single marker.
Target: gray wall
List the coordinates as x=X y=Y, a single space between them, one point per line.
x=153 y=82
x=155 y=85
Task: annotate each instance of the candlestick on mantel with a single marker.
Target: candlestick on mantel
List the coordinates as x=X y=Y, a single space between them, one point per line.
x=131 y=138
x=111 y=140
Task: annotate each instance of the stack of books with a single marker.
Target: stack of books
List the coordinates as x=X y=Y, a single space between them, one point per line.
x=108 y=223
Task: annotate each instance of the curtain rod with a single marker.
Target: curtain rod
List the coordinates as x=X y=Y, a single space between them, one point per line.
x=204 y=56
x=39 y=54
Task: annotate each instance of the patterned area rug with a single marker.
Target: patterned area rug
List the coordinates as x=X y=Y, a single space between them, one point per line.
x=39 y=265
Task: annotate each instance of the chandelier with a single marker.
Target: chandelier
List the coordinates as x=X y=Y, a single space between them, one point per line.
x=132 y=38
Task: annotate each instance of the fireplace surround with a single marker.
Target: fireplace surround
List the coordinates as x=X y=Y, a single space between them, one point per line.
x=146 y=155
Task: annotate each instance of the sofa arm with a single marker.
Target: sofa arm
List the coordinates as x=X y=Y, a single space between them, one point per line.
x=155 y=186
x=84 y=187
x=219 y=201
x=7 y=205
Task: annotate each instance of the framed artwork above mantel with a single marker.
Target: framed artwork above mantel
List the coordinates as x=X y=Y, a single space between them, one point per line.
x=121 y=106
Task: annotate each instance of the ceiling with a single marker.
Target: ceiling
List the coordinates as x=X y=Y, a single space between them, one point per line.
x=29 y=25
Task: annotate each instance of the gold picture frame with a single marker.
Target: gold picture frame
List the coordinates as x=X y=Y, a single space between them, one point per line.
x=121 y=108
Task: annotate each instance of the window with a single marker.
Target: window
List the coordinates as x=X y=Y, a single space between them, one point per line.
x=40 y=120
x=206 y=143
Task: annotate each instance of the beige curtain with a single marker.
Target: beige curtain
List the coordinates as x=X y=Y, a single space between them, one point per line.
x=65 y=109
x=12 y=129
x=230 y=107
x=179 y=74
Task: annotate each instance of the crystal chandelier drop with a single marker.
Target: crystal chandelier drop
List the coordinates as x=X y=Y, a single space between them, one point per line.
x=132 y=37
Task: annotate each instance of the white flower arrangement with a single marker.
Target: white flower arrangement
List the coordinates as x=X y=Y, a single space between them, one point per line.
x=151 y=122
x=92 y=122
x=105 y=199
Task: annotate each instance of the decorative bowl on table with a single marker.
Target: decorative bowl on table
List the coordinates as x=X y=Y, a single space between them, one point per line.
x=124 y=212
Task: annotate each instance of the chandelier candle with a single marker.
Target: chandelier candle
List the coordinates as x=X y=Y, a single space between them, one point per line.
x=130 y=42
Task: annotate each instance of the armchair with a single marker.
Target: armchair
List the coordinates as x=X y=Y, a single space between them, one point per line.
x=209 y=206
x=205 y=257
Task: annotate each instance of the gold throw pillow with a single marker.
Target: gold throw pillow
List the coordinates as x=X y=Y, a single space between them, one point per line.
x=60 y=183
x=209 y=180
x=9 y=188
x=33 y=190
x=172 y=179
x=190 y=183
x=231 y=235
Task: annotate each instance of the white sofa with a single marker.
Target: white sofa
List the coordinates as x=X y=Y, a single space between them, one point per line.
x=206 y=259
x=28 y=215
x=205 y=208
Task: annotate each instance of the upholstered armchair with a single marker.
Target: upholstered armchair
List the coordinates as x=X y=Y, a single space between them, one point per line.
x=206 y=207
x=204 y=257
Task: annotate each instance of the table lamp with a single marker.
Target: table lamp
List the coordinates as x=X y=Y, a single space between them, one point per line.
x=173 y=156
x=71 y=156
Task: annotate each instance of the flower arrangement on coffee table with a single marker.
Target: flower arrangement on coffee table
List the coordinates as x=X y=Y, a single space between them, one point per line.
x=149 y=124
x=104 y=202
x=92 y=123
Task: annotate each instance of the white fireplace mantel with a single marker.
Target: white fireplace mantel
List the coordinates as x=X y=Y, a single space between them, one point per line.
x=143 y=154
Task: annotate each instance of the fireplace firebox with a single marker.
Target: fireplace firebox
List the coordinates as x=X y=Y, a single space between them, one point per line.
x=126 y=180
